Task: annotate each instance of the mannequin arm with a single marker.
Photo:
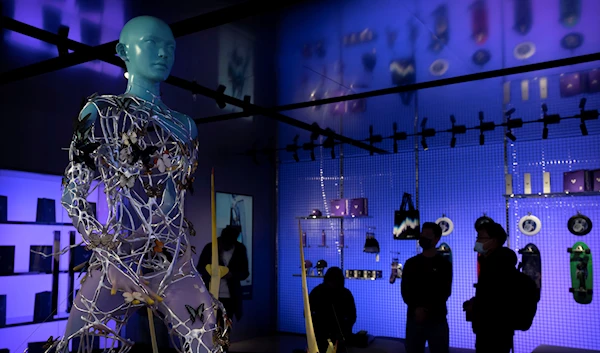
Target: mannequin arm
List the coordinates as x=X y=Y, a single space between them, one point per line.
x=79 y=175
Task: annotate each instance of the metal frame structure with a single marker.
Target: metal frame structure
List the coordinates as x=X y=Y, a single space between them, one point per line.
x=105 y=52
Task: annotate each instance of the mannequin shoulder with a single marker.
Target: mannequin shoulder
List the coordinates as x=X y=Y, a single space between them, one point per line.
x=188 y=122
x=95 y=104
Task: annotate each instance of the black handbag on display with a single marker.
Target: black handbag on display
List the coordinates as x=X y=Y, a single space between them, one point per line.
x=406 y=220
x=371 y=244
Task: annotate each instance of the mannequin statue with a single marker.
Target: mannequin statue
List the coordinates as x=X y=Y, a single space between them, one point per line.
x=144 y=154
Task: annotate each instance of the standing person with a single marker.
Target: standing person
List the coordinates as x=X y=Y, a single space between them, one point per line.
x=426 y=286
x=233 y=255
x=333 y=310
x=490 y=310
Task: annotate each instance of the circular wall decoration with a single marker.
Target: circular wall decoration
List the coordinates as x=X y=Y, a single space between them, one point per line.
x=481 y=220
x=530 y=225
x=579 y=225
x=481 y=57
x=524 y=50
x=446 y=224
x=439 y=67
x=572 y=41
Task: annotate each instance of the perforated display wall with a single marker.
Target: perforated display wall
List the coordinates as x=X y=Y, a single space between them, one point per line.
x=462 y=183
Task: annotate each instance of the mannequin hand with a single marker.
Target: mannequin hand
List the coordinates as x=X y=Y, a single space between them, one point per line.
x=133 y=292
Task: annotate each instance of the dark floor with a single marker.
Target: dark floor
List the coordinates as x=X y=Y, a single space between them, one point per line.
x=288 y=343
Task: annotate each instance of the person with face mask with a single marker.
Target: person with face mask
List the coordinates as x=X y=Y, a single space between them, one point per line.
x=426 y=286
x=233 y=255
x=490 y=309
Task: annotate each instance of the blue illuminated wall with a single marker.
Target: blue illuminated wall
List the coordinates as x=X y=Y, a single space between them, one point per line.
x=462 y=183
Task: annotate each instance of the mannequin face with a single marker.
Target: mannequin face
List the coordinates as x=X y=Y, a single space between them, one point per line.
x=147 y=46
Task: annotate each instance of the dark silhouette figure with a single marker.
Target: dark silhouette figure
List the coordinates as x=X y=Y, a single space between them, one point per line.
x=333 y=310
x=233 y=255
x=426 y=286
x=491 y=310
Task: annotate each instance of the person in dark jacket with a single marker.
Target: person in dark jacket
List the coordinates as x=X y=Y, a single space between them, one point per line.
x=490 y=309
x=426 y=286
x=233 y=255
x=333 y=310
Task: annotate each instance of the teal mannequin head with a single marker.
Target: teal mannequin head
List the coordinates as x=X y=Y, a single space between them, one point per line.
x=147 y=47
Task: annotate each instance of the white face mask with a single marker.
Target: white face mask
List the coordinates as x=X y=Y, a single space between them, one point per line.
x=479 y=248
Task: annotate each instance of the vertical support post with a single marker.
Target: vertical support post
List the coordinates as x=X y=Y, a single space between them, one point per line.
x=71 y=271
x=55 y=271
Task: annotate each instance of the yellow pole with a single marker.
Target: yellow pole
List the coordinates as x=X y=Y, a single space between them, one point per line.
x=310 y=331
x=215 y=279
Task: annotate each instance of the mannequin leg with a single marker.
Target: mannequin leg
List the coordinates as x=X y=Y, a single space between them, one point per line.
x=190 y=314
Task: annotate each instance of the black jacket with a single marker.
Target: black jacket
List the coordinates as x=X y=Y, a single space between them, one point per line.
x=492 y=306
x=238 y=267
x=333 y=312
x=427 y=283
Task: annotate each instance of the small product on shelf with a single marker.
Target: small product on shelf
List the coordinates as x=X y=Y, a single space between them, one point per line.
x=37 y=261
x=7 y=260
x=308 y=266
x=3 y=208
x=321 y=266
x=304 y=240
x=338 y=207
x=42 y=307
x=2 y=310
x=323 y=239
x=396 y=270
x=341 y=241
x=596 y=177
x=371 y=244
x=547 y=184
x=358 y=207
x=46 y=211
x=578 y=181
x=363 y=274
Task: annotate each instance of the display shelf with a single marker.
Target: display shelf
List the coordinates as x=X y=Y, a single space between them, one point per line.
x=333 y=217
x=311 y=276
x=24 y=321
x=29 y=273
x=552 y=195
x=37 y=223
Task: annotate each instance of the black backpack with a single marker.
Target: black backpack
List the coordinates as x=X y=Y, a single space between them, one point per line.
x=526 y=295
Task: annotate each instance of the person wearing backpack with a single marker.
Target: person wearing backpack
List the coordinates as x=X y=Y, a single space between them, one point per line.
x=492 y=309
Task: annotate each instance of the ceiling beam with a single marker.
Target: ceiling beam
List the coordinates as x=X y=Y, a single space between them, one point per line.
x=195 y=88
x=182 y=28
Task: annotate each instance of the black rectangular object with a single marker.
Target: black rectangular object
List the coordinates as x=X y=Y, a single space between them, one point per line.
x=3 y=208
x=7 y=260
x=93 y=209
x=36 y=347
x=39 y=263
x=4 y=350
x=42 y=309
x=46 y=211
x=2 y=311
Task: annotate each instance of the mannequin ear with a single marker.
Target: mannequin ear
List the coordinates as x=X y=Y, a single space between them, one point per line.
x=122 y=52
